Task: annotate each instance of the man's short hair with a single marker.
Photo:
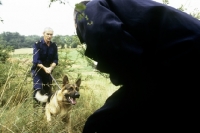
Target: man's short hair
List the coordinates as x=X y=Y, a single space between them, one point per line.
x=47 y=29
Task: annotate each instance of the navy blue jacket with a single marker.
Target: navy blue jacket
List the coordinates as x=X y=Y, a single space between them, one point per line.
x=140 y=39
x=42 y=54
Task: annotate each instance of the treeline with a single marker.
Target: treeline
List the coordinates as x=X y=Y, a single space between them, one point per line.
x=16 y=41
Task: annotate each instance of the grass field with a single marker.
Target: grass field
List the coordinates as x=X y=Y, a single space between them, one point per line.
x=17 y=114
x=23 y=51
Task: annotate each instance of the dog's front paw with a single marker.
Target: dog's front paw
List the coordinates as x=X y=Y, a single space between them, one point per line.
x=48 y=120
x=69 y=132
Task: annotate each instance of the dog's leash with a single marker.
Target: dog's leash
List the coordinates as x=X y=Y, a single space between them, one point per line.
x=55 y=81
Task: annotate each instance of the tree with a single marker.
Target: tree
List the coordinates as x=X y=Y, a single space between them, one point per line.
x=4 y=52
x=13 y=39
x=29 y=41
x=69 y=40
x=75 y=42
x=18 y=41
x=60 y=41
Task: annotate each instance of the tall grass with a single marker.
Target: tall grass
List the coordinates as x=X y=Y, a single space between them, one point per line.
x=17 y=114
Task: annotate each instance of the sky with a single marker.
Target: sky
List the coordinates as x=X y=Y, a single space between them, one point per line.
x=190 y=5
x=30 y=17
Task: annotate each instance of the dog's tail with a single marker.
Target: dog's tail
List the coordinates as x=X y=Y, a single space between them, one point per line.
x=40 y=97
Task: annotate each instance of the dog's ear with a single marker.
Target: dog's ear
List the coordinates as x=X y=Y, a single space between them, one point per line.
x=78 y=82
x=65 y=80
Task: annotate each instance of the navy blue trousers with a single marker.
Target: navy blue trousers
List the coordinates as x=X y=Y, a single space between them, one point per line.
x=41 y=81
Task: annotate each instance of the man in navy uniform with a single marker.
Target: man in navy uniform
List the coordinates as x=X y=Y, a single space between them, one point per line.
x=45 y=59
x=152 y=50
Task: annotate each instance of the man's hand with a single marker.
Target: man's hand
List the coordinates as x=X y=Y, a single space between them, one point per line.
x=47 y=69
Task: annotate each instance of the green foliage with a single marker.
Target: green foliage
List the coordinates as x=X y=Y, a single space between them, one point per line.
x=17 y=41
x=90 y=62
x=81 y=51
x=182 y=8
x=14 y=39
x=12 y=83
x=60 y=41
x=69 y=40
x=29 y=41
x=75 y=42
x=166 y=2
x=5 y=49
x=80 y=7
x=64 y=64
x=16 y=93
x=60 y=1
x=4 y=52
x=195 y=13
x=3 y=73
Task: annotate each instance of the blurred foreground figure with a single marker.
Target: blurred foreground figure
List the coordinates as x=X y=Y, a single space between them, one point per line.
x=153 y=51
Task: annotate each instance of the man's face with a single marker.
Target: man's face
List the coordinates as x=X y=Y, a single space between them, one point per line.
x=48 y=35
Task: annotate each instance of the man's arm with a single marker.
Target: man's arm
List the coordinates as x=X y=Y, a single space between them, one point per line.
x=55 y=60
x=36 y=56
x=47 y=69
x=53 y=65
x=41 y=66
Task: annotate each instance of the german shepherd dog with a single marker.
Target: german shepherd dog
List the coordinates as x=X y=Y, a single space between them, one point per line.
x=60 y=103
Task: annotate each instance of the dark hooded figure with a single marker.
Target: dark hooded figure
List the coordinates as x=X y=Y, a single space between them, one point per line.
x=152 y=51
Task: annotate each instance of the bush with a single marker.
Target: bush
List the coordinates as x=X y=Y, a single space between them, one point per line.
x=4 y=52
x=16 y=103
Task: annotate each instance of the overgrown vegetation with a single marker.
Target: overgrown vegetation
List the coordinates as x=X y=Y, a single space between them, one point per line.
x=16 y=104
x=4 y=52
